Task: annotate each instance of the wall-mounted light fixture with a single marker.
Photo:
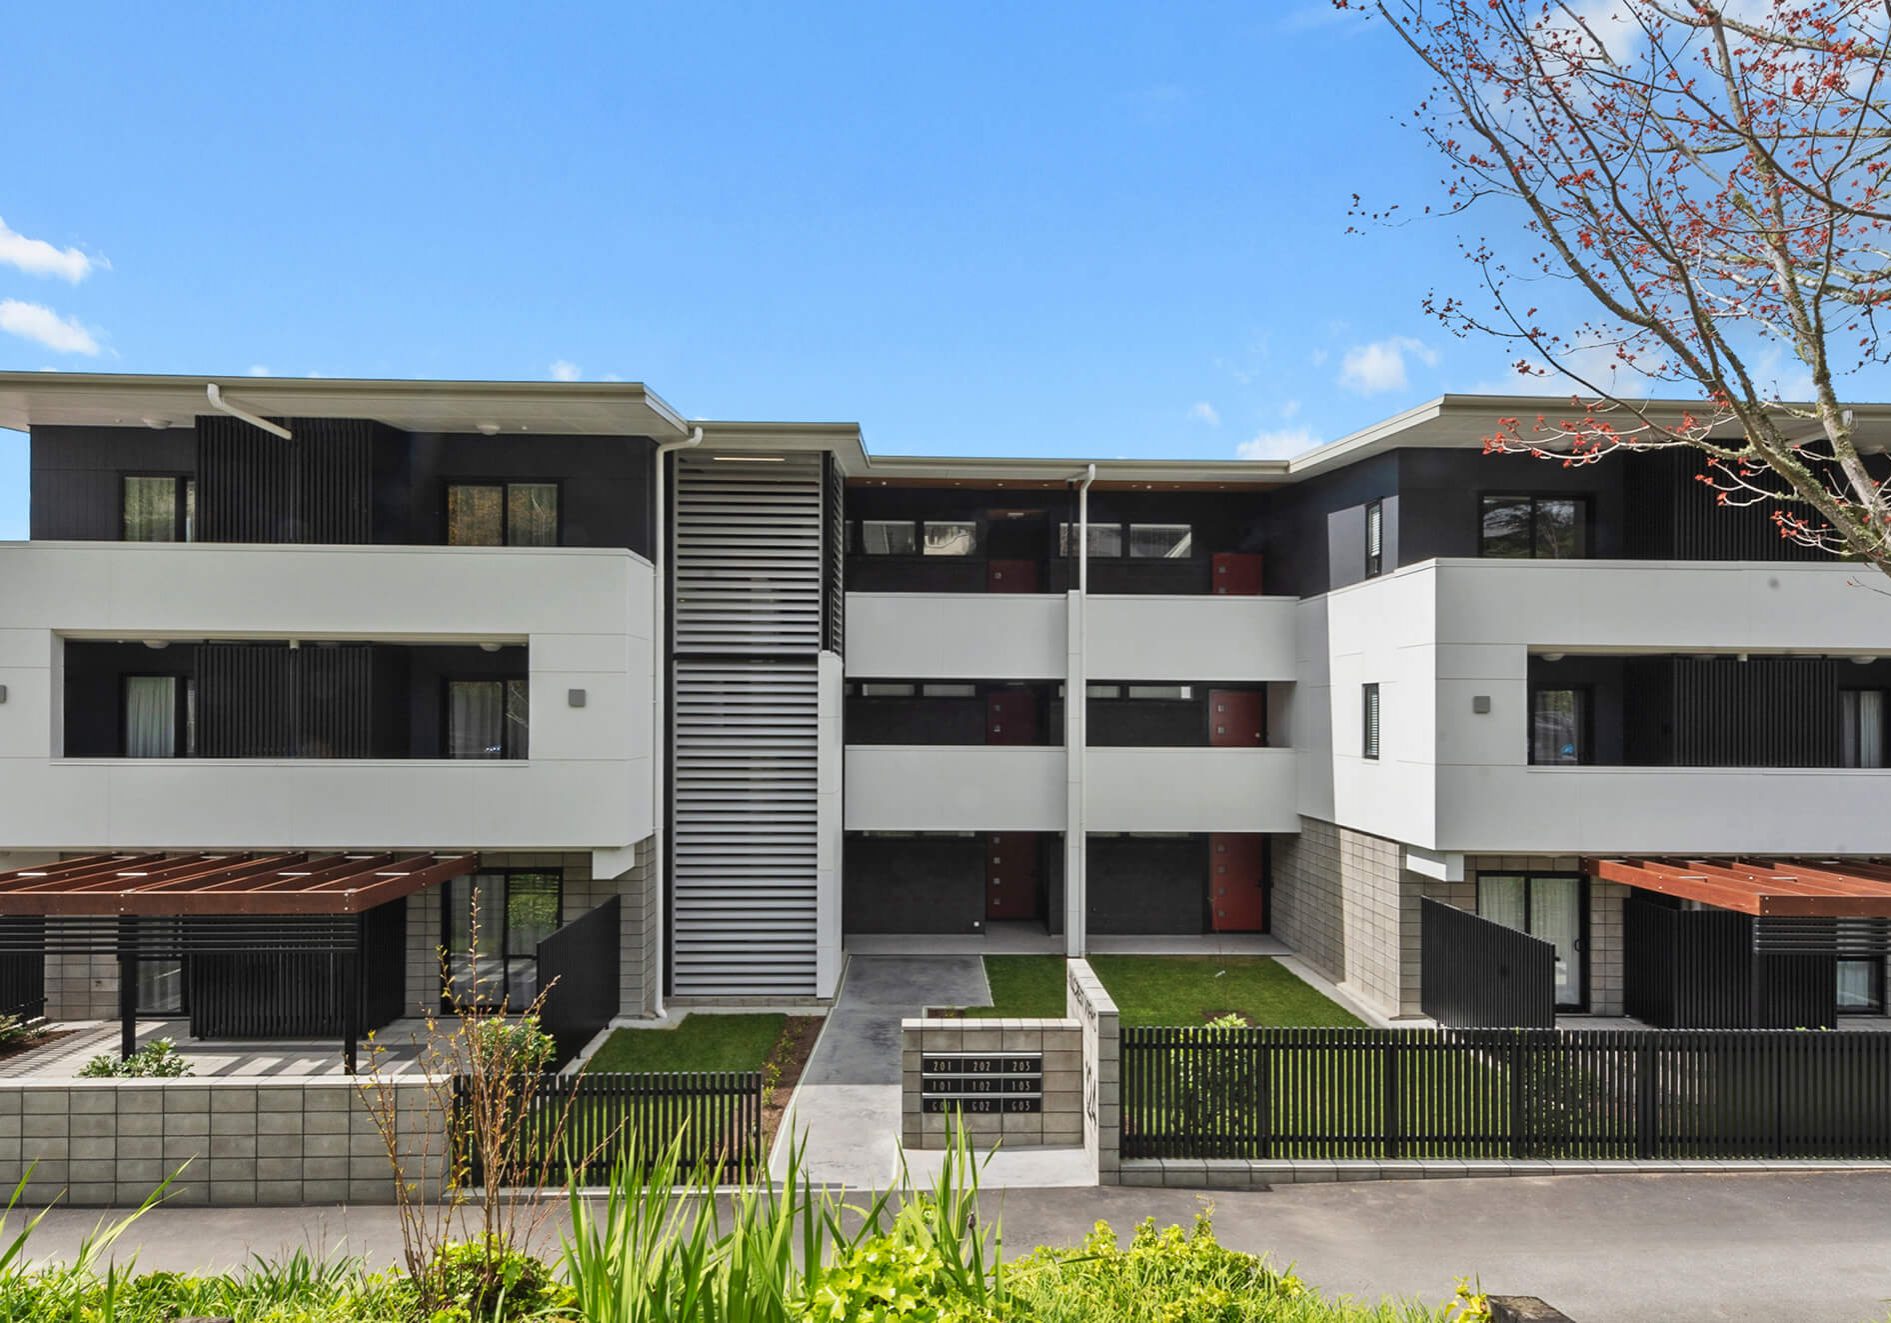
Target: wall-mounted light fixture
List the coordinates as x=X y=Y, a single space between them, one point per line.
x=3 y=693
x=1480 y=703
x=157 y=645
x=574 y=697
x=489 y=647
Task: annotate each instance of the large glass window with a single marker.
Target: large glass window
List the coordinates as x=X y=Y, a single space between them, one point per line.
x=488 y=718
x=951 y=537
x=1559 y=725
x=1860 y=987
x=888 y=537
x=159 y=509
x=1549 y=906
x=152 y=711
x=494 y=514
x=1862 y=732
x=1160 y=541
x=513 y=912
x=1105 y=540
x=1539 y=527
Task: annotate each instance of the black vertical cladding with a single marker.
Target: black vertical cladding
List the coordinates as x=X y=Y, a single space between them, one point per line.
x=1477 y=973
x=274 y=701
x=1678 y=517
x=253 y=486
x=290 y=993
x=78 y=473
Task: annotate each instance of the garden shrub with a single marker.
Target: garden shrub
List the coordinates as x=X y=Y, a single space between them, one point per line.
x=489 y=1281
x=158 y=1059
x=894 y=1279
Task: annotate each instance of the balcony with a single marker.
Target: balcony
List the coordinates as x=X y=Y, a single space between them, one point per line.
x=954 y=788
x=582 y=614
x=1191 y=790
x=944 y=636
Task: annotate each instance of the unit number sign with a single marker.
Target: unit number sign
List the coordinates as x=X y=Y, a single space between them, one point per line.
x=980 y=1082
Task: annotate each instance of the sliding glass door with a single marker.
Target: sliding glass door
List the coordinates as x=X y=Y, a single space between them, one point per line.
x=515 y=912
x=1549 y=906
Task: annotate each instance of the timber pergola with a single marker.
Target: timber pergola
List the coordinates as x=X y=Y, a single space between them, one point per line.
x=156 y=906
x=1763 y=888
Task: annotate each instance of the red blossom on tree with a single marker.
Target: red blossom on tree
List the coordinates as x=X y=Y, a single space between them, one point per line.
x=1710 y=181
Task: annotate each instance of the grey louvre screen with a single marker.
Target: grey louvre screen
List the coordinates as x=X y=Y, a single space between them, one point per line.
x=748 y=555
x=748 y=612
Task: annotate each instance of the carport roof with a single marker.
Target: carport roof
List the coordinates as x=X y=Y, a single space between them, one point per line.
x=285 y=883
x=1811 y=888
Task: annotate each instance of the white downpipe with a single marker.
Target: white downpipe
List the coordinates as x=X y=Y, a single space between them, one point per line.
x=659 y=701
x=1076 y=736
x=215 y=394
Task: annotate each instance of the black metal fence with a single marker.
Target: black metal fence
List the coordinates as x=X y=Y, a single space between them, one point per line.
x=1479 y=974
x=582 y=1125
x=578 y=968
x=23 y=970
x=1480 y=1093
x=1686 y=969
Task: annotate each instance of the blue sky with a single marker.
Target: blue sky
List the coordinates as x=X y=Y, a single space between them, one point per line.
x=1030 y=229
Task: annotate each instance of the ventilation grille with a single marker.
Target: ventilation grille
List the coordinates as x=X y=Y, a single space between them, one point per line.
x=748 y=556
x=743 y=837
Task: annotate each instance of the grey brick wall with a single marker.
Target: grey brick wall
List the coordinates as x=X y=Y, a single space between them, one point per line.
x=1342 y=901
x=227 y=1142
x=1058 y=1125
x=81 y=987
x=1089 y=1003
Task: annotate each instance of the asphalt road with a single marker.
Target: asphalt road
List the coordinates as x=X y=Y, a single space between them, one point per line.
x=1669 y=1249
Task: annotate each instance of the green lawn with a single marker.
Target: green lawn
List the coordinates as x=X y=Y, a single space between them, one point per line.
x=1163 y=990
x=700 y=1042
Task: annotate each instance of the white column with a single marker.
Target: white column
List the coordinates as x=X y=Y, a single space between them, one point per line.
x=1076 y=706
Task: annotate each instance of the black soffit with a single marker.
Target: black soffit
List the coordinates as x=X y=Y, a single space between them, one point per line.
x=256 y=883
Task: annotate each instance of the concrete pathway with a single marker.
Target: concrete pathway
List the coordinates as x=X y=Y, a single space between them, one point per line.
x=846 y=1110
x=289 y=1058
x=1763 y=1247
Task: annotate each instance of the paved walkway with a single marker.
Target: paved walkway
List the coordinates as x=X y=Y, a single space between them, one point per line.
x=294 y=1058
x=1809 y=1248
x=847 y=1107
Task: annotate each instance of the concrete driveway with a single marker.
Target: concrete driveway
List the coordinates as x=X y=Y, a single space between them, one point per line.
x=1812 y=1248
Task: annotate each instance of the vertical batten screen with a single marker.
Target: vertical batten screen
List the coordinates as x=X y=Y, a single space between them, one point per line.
x=253 y=486
x=748 y=613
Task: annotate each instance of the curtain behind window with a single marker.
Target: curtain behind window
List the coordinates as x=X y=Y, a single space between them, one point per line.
x=475 y=516
x=150 y=716
x=532 y=514
x=476 y=718
x=150 y=510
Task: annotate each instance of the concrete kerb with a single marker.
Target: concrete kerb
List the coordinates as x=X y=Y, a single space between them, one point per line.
x=1254 y=1174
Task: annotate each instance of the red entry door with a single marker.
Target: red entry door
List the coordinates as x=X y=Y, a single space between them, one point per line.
x=1235 y=868
x=1237 y=718
x=1010 y=576
x=1235 y=574
x=1011 y=875
x=1010 y=717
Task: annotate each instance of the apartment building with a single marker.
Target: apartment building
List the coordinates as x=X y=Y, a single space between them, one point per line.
x=531 y=647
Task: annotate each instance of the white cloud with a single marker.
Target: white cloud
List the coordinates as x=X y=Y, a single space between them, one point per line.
x=565 y=370
x=260 y=370
x=1204 y=412
x=1280 y=444
x=1380 y=366
x=36 y=257
x=40 y=324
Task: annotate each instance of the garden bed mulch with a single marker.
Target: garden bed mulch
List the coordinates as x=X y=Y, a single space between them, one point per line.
x=790 y=1058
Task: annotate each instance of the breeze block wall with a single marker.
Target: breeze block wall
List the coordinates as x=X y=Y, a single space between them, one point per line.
x=224 y=1142
x=1058 y=1125
x=1344 y=902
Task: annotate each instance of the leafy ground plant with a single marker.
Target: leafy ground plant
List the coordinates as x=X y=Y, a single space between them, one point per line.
x=158 y=1059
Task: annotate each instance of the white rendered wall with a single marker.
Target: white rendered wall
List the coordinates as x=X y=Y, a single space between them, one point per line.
x=1228 y=790
x=1441 y=634
x=1158 y=638
x=949 y=636
x=941 y=787
x=583 y=614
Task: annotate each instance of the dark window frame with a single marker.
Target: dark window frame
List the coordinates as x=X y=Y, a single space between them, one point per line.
x=1585 y=904
x=1876 y=1004
x=505 y=923
x=1371 y=721
x=505 y=486
x=1129 y=539
x=1375 y=538
x=183 y=501
x=1585 y=500
x=1067 y=543
x=183 y=696
x=507 y=753
x=1585 y=724
x=1884 y=722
